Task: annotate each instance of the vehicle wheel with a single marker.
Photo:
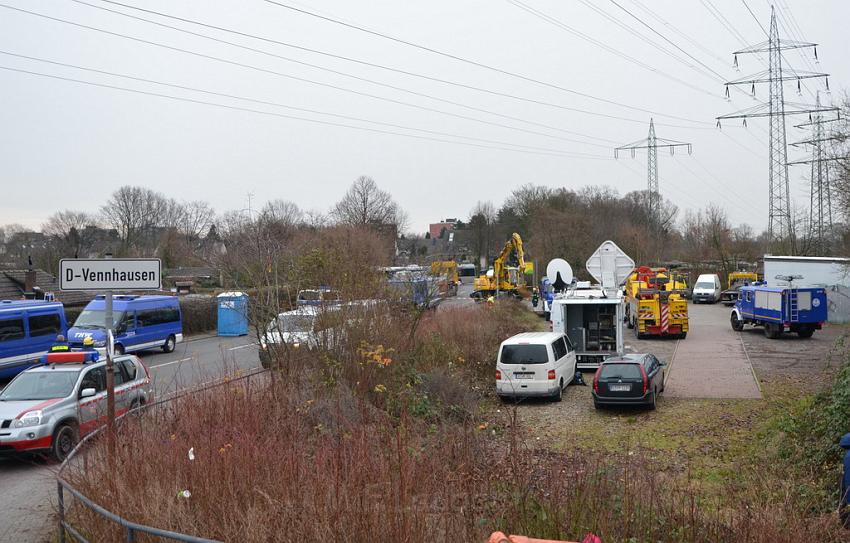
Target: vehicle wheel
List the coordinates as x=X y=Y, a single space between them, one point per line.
x=805 y=333
x=683 y=335
x=119 y=349
x=771 y=331
x=559 y=394
x=596 y=405
x=653 y=400
x=64 y=440
x=737 y=324
x=169 y=344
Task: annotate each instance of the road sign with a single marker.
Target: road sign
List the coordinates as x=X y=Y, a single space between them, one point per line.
x=110 y=274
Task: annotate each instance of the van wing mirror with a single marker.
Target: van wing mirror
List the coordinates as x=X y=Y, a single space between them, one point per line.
x=88 y=393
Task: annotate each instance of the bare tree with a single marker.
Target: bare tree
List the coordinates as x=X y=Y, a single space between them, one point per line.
x=68 y=230
x=196 y=219
x=135 y=212
x=282 y=215
x=365 y=204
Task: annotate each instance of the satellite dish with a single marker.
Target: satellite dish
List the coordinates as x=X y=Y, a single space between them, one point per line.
x=560 y=273
x=610 y=265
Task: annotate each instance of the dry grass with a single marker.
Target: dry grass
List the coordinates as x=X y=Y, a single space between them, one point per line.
x=318 y=453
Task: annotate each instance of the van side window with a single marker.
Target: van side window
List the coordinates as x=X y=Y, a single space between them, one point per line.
x=127 y=321
x=559 y=348
x=570 y=346
x=11 y=329
x=45 y=325
x=162 y=315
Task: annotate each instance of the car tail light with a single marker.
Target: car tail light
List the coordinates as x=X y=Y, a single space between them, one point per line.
x=498 y=375
x=645 y=379
x=551 y=375
x=596 y=380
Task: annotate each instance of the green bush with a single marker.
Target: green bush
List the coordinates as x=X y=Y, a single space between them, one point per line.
x=811 y=429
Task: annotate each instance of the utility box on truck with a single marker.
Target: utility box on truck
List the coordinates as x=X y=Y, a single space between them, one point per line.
x=592 y=316
x=800 y=310
x=592 y=320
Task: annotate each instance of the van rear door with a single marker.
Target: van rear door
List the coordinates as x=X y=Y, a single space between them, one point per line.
x=526 y=361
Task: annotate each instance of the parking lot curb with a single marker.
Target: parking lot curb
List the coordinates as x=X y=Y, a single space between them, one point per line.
x=672 y=359
x=750 y=362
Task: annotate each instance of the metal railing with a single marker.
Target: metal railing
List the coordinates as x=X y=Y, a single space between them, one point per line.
x=131 y=529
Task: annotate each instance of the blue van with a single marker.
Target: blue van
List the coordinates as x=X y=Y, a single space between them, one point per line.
x=27 y=330
x=139 y=322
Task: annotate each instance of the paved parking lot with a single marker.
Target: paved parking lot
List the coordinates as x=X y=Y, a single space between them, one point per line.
x=712 y=362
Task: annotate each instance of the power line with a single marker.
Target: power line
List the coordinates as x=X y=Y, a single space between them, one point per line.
x=553 y=21
x=257 y=101
x=643 y=38
x=473 y=62
x=684 y=35
x=665 y=38
x=513 y=148
x=357 y=61
x=276 y=73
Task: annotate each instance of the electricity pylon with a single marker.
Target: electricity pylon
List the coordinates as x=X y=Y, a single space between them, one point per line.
x=820 y=200
x=651 y=143
x=780 y=227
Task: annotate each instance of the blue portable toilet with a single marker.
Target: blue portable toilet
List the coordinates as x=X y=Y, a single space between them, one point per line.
x=232 y=314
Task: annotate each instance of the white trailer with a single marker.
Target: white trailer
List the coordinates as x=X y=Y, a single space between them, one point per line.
x=592 y=316
x=593 y=320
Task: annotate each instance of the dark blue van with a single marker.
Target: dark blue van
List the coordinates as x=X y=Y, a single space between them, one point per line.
x=140 y=323
x=27 y=330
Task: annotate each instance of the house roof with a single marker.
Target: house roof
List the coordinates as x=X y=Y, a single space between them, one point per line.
x=12 y=287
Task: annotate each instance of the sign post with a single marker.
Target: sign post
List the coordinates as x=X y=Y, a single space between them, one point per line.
x=105 y=275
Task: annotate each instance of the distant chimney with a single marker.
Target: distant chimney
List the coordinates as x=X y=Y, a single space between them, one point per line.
x=29 y=281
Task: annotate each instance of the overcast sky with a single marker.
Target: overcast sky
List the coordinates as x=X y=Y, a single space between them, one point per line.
x=67 y=145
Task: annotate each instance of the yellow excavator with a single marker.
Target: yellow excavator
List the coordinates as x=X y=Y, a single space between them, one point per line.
x=507 y=275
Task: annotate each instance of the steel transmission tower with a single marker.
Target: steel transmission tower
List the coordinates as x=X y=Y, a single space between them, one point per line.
x=820 y=200
x=780 y=225
x=651 y=144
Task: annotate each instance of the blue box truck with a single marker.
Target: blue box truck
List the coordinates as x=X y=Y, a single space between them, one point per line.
x=800 y=310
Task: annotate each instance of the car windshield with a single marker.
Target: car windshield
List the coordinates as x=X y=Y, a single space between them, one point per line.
x=292 y=323
x=704 y=285
x=620 y=371
x=524 y=354
x=309 y=295
x=40 y=385
x=96 y=318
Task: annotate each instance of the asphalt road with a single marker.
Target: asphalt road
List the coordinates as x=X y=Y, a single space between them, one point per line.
x=27 y=485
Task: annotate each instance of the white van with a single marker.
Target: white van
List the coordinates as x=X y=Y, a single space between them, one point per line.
x=535 y=364
x=707 y=289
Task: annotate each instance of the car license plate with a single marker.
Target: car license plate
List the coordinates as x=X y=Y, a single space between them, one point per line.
x=620 y=388
x=523 y=375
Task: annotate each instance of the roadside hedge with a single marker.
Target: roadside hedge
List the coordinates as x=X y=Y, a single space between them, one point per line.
x=200 y=314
